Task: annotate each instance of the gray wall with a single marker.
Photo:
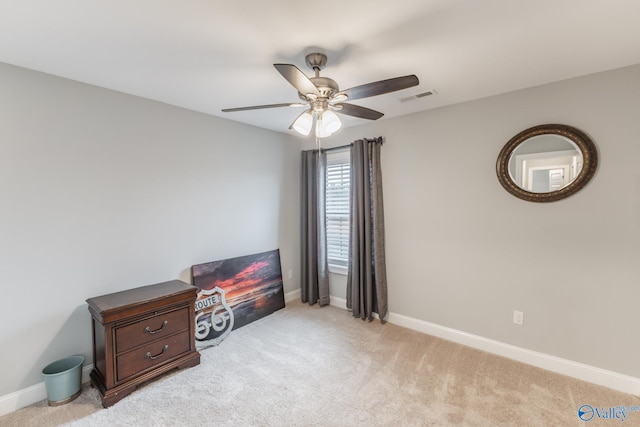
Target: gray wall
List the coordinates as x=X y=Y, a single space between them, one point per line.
x=464 y=253
x=102 y=191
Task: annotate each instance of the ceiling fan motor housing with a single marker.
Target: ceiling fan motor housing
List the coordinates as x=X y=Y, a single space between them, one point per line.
x=325 y=85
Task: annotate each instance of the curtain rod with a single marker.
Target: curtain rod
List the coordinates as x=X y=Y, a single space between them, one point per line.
x=345 y=146
x=336 y=148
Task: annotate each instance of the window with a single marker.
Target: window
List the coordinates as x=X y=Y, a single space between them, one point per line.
x=337 y=210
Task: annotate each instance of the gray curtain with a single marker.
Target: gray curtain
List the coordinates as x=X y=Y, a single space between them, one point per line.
x=367 y=273
x=314 y=283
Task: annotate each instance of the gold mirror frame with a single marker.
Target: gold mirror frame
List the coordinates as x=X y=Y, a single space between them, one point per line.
x=579 y=138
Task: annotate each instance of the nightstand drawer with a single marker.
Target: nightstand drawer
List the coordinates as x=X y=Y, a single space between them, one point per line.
x=152 y=354
x=150 y=329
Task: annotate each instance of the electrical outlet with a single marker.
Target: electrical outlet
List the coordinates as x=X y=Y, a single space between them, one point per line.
x=290 y=275
x=518 y=317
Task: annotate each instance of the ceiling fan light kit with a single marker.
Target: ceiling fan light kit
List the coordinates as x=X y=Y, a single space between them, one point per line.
x=321 y=130
x=323 y=97
x=331 y=121
x=303 y=123
x=327 y=123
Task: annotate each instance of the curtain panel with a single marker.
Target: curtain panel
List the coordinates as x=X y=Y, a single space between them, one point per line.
x=314 y=266
x=367 y=274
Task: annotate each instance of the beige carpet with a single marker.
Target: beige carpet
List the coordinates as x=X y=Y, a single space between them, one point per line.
x=311 y=366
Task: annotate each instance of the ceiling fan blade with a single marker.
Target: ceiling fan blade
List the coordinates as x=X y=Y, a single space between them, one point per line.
x=259 y=107
x=358 y=111
x=297 y=78
x=381 y=86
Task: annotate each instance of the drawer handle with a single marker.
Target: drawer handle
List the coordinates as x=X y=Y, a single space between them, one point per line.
x=149 y=356
x=149 y=331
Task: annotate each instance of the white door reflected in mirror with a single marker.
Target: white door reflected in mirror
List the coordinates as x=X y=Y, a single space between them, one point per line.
x=545 y=163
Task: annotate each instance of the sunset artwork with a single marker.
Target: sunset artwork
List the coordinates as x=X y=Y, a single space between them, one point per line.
x=234 y=292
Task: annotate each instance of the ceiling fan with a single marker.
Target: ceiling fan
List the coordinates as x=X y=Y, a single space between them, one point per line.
x=324 y=98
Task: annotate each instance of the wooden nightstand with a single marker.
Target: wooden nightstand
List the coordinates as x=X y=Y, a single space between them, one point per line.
x=139 y=334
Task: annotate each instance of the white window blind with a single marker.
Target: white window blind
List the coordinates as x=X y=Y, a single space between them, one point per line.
x=337 y=209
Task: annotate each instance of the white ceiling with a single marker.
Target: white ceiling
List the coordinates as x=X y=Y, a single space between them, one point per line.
x=206 y=55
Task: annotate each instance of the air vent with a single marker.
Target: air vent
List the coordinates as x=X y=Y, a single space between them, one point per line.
x=420 y=95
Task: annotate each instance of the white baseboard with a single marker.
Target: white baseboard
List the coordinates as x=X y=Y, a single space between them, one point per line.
x=291 y=296
x=592 y=374
x=33 y=394
x=624 y=383
x=339 y=302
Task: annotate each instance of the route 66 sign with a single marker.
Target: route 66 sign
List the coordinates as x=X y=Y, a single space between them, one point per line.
x=214 y=317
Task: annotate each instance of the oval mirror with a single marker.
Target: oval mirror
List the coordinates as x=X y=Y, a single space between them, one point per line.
x=547 y=163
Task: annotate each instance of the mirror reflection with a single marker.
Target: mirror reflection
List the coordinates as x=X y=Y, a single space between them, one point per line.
x=545 y=163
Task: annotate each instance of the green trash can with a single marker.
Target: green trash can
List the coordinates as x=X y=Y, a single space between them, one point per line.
x=63 y=379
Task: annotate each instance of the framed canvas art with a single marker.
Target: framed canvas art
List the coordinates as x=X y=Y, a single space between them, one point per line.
x=234 y=292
